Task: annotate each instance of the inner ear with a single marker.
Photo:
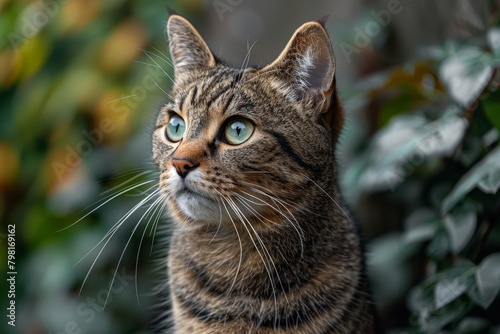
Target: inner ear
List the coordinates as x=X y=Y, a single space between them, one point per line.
x=307 y=63
x=317 y=69
x=188 y=50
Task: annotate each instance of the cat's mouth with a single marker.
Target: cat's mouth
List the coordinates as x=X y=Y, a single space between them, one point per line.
x=196 y=205
x=197 y=202
x=189 y=192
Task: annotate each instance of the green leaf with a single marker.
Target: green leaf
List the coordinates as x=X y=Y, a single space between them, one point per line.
x=421 y=225
x=420 y=233
x=482 y=170
x=406 y=143
x=466 y=73
x=420 y=299
x=488 y=279
x=439 y=246
x=447 y=290
x=494 y=40
x=431 y=321
x=389 y=250
x=490 y=137
x=471 y=151
x=490 y=183
x=460 y=229
x=491 y=107
x=453 y=282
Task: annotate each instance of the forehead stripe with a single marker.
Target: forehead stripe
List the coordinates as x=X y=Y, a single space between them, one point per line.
x=194 y=94
x=182 y=99
x=217 y=94
x=228 y=102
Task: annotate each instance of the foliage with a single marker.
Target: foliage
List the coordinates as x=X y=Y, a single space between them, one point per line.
x=77 y=100
x=76 y=92
x=437 y=156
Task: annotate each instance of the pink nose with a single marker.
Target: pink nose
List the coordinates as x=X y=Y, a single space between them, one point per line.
x=183 y=166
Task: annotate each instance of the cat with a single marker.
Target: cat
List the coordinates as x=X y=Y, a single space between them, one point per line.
x=260 y=242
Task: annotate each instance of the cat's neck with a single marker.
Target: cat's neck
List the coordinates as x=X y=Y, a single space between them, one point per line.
x=307 y=236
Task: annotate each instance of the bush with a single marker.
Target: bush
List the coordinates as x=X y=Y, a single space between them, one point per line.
x=435 y=157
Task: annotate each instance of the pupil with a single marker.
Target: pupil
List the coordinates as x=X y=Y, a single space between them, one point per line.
x=238 y=130
x=177 y=128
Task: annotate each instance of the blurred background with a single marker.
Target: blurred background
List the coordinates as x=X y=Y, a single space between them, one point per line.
x=80 y=85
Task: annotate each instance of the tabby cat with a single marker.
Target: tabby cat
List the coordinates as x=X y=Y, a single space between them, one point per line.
x=260 y=243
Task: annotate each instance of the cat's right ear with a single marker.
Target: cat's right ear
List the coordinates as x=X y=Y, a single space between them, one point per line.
x=188 y=50
x=307 y=63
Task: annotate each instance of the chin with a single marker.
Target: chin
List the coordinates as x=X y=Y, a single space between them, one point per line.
x=199 y=208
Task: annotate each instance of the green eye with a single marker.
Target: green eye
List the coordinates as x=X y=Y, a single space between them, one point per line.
x=238 y=131
x=175 y=128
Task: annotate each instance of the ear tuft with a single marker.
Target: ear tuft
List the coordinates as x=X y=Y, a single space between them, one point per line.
x=171 y=11
x=187 y=48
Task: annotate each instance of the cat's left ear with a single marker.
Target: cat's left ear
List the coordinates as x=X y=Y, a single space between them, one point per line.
x=307 y=63
x=187 y=48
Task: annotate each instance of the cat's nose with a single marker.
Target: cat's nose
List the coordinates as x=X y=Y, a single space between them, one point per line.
x=183 y=166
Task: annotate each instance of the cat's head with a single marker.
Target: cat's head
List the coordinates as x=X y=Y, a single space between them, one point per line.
x=246 y=144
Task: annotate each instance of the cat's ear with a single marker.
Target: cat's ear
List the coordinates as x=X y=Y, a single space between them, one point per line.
x=187 y=48
x=307 y=63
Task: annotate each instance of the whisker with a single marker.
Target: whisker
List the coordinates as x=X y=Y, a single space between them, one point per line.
x=111 y=231
x=294 y=223
x=246 y=60
x=337 y=204
x=261 y=218
x=110 y=235
x=127 y=181
x=128 y=242
x=148 y=54
x=112 y=197
x=219 y=225
x=147 y=64
x=157 y=203
x=164 y=58
x=239 y=241
x=154 y=226
x=244 y=222
x=122 y=98
x=142 y=170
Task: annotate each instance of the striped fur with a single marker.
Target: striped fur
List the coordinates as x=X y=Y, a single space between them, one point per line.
x=261 y=243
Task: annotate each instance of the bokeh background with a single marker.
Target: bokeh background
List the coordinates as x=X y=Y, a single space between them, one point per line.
x=81 y=82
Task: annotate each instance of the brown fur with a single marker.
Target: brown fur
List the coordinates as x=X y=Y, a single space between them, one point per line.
x=260 y=242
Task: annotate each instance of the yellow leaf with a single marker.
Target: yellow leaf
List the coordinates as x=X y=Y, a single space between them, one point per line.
x=123 y=46
x=111 y=118
x=77 y=14
x=33 y=54
x=9 y=166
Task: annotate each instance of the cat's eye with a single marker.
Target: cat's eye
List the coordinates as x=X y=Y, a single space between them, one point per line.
x=175 y=128
x=237 y=131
